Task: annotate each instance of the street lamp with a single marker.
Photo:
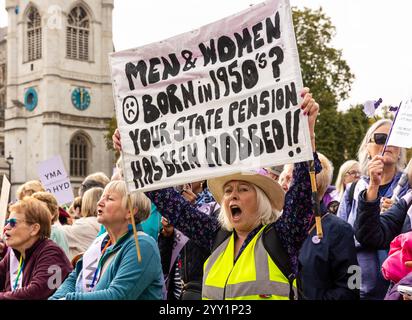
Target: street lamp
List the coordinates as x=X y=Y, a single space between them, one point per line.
x=9 y=160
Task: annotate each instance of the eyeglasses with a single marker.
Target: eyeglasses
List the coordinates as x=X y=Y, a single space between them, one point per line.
x=379 y=138
x=12 y=222
x=354 y=173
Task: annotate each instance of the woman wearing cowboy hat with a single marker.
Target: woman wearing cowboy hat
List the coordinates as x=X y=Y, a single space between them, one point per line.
x=240 y=267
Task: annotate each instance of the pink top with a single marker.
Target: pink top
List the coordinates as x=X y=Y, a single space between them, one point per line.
x=394 y=268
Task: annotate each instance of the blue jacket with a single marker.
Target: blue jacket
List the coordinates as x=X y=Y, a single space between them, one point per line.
x=376 y=231
x=324 y=267
x=373 y=286
x=153 y=224
x=125 y=278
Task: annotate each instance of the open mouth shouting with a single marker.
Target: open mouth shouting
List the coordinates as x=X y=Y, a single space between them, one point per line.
x=236 y=212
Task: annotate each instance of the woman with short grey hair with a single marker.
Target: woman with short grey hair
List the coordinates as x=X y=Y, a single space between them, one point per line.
x=109 y=269
x=373 y=286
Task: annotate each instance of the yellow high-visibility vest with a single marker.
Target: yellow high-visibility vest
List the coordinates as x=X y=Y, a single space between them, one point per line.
x=253 y=276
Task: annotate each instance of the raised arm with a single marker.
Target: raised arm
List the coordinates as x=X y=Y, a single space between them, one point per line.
x=197 y=226
x=375 y=230
x=295 y=220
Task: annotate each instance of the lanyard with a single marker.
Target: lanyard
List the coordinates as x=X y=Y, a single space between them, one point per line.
x=21 y=266
x=100 y=260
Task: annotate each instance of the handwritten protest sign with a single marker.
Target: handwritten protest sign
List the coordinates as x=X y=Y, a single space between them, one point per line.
x=401 y=133
x=216 y=100
x=4 y=200
x=54 y=178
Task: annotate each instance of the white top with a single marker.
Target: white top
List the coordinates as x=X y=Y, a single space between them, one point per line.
x=81 y=234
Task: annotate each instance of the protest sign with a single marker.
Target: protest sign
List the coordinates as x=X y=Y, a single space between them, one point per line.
x=401 y=131
x=54 y=178
x=216 y=100
x=4 y=200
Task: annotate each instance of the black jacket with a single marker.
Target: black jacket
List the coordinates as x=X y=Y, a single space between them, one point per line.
x=324 y=267
x=192 y=258
x=376 y=231
x=166 y=247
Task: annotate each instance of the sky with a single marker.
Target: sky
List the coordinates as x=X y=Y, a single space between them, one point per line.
x=374 y=35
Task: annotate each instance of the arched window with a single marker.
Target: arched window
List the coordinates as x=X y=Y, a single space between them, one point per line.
x=34 y=37
x=78 y=31
x=79 y=155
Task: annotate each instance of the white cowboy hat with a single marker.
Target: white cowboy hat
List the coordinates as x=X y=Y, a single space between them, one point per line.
x=270 y=187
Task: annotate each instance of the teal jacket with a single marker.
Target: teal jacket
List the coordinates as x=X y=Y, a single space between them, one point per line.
x=125 y=278
x=151 y=225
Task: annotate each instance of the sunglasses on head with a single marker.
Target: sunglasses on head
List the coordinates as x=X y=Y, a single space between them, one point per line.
x=379 y=138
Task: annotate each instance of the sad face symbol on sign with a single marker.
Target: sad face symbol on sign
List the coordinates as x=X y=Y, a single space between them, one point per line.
x=130 y=109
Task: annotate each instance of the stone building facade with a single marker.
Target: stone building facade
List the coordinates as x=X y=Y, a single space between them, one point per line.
x=58 y=90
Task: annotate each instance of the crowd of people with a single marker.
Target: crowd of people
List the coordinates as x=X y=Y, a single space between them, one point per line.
x=239 y=236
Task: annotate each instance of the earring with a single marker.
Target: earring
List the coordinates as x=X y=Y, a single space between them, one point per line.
x=369 y=157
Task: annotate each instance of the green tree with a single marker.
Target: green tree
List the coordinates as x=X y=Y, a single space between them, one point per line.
x=111 y=127
x=340 y=135
x=324 y=70
x=355 y=125
x=329 y=77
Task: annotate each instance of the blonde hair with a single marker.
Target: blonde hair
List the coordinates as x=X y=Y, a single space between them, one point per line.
x=343 y=170
x=89 y=202
x=266 y=213
x=77 y=203
x=324 y=178
x=138 y=199
x=35 y=211
x=51 y=203
x=28 y=188
x=363 y=150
